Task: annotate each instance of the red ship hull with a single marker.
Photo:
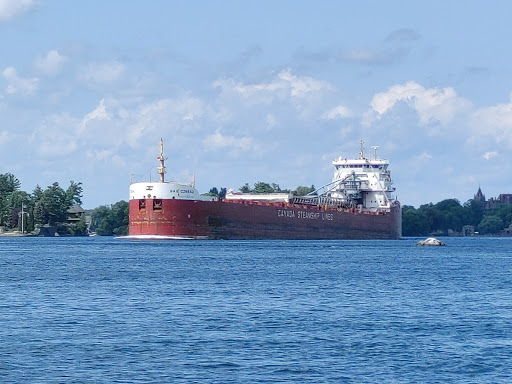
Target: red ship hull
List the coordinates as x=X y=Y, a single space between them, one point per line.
x=252 y=220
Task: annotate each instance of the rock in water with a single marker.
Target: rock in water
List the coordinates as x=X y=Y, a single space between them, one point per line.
x=431 y=241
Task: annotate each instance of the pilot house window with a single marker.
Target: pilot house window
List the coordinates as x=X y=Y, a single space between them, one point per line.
x=142 y=204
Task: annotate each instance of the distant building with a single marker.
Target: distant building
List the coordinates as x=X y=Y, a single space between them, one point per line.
x=76 y=214
x=480 y=197
x=468 y=230
x=493 y=203
x=505 y=198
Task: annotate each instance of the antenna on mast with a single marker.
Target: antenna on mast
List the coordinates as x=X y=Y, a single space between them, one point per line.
x=375 y=157
x=361 y=152
x=161 y=158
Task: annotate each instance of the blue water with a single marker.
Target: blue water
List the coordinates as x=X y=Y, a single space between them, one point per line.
x=104 y=310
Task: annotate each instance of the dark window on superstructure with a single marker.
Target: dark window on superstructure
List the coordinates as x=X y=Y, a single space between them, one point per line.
x=142 y=204
x=157 y=205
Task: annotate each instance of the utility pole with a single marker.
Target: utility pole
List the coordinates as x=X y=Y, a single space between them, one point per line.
x=22 y=217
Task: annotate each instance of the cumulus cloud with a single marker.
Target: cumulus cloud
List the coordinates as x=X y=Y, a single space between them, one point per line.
x=92 y=122
x=489 y=155
x=55 y=137
x=50 y=64
x=338 y=112
x=218 y=141
x=494 y=122
x=161 y=115
x=285 y=85
x=101 y=74
x=431 y=105
x=12 y=8
x=106 y=155
x=19 y=85
x=423 y=157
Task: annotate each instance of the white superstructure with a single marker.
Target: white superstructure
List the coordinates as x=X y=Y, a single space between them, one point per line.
x=357 y=183
x=165 y=189
x=362 y=181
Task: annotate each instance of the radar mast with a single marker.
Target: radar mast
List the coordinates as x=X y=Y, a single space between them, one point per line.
x=161 y=158
x=375 y=157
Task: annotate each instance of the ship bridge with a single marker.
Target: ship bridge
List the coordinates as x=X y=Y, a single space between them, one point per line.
x=357 y=182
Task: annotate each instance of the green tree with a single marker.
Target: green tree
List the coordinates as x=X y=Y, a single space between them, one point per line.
x=473 y=212
x=74 y=194
x=108 y=221
x=302 y=190
x=414 y=222
x=52 y=207
x=245 y=188
x=491 y=224
x=505 y=214
x=14 y=202
x=120 y=217
x=99 y=217
x=8 y=185
x=213 y=192
x=261 y=187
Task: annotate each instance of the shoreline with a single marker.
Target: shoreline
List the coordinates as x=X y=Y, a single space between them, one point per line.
x=15 y=234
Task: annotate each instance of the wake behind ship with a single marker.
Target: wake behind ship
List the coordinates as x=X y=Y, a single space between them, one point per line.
x=356 y=204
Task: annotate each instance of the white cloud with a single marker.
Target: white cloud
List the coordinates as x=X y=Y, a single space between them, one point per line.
x=55 y=137
x=19 y=85
x=219 y=141
x=12 y=8
x=432 y=105
x=495 y=123
x=101 y=74
x=423 y=157
x=99 y=113
x=107 y=155
x=489 y=155
x=50 y=64
x=338 y=112
x=271 y=121
x=284 y=86
x=160 y=116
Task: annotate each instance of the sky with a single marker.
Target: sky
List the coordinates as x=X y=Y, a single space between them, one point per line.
x=249 y=91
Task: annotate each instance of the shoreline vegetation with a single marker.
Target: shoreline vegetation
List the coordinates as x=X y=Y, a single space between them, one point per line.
x=57 y=212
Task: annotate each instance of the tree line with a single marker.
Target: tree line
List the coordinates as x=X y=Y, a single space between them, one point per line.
x=263 y=187
x=41 y=207
x=29 y=212
x=110 y=220
x=49 y=207
x=450 y=216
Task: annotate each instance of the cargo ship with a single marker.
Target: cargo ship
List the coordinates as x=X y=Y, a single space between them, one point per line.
x=357 y=204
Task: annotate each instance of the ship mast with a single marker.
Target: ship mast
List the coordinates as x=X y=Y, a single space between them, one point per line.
x=375 y=157
x=161 y=158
